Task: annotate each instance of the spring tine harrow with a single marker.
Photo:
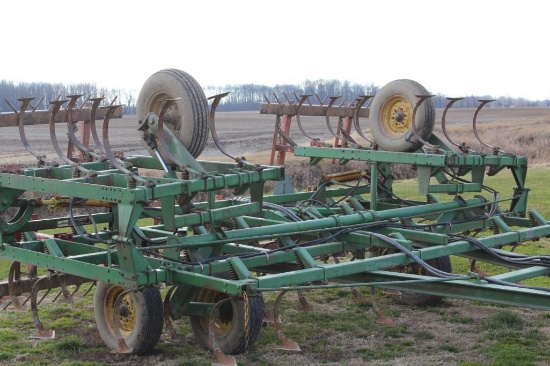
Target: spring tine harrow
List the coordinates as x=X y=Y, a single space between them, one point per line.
x=87 y=153
x=321 y=102
x=286 y=344
x=463 y=147
x=132 y=177
x=41 y=332
x=301 y=101
x=56 y=106
x=73 y=99
x=303 y=301
x=95 y=105
x=342 y=235
x=174 y=337
x=15 y=275
x=483 y=102
x=361 y=101
x=25 y=102
x=327 y=116
x=215 y=101
x=382 y=319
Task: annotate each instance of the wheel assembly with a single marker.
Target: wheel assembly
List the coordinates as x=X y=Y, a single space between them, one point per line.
x=187 y=118
x=237 y=323
x=391 y=116
x=137 y=317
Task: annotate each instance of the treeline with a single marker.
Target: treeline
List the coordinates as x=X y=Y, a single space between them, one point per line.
x=47 y=92
x=243 y=97
x=247 y=97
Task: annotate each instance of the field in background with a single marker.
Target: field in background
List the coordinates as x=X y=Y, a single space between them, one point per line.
x=339 y=331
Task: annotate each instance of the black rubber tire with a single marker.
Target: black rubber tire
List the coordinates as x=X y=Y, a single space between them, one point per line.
x=419 y=299
x=387 y=130
x=142 y=321
x=230 y=332
x=190 y=116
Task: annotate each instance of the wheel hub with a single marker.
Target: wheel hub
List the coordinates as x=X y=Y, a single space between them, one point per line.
x=397 y=115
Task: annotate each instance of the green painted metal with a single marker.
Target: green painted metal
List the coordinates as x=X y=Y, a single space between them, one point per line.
x=224 y=244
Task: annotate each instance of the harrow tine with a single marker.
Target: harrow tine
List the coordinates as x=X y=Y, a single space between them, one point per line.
x=109 y=153
x=463 y=147
x=327 y=116
x=44 y=296
x=421 y=99
x=56 y=106
x=344 y=101
x=483 y=102
x=15 y=275
x=301 y=101
x=89 y=289
x=290 y=102
x=66 y=293
x=277 y=99
x=71 y=126
x=21 y=116
x=77 y=287
x=37 y=103
x=41 y=332
x=357 y=297
x=69 y=115
x=212 y=123
x=13 y=108
x=286 y=344
x=95 y=104
x=360 y=102
x=174 y=337
x=287 y=138
x=303 y=301
x=382 y=319
x=321 y=102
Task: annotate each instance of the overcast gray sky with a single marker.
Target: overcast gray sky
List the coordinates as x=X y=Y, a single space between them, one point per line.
x=458 y=48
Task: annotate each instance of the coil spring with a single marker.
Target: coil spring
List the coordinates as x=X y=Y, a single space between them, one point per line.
x=184 y=256
x=232 y=273
x=532 y=221
x=131 y=183
x=494 y=227
x=299 y=263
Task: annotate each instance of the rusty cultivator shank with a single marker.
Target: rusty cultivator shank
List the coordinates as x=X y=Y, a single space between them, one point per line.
x=216 y=258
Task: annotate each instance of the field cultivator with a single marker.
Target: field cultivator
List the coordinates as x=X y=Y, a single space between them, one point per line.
x=135 y=224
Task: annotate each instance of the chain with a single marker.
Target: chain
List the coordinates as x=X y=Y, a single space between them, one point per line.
x=246 y=317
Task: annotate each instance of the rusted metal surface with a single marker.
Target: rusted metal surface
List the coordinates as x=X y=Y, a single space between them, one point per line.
x=313 y=110
x=43 y=116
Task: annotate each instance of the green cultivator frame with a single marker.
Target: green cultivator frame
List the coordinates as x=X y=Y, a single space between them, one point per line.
x=138 y=224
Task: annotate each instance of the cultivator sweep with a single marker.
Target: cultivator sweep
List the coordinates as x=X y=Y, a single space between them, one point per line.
x=216 y=257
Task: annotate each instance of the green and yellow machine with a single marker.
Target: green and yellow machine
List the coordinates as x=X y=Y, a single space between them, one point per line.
x=216 y=257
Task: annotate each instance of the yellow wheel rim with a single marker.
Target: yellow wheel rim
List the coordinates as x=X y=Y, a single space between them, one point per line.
x=223 y=321
x=396 y=116
x=127 y=313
